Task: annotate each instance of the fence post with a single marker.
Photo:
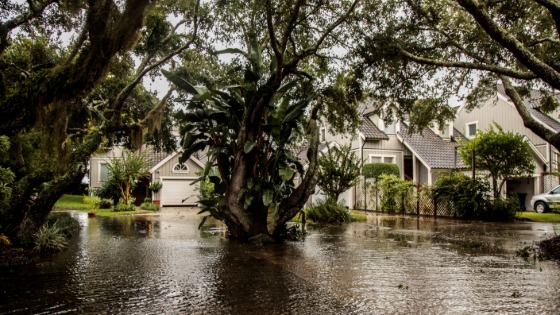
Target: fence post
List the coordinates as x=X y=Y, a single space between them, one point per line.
x=435 y=208
x=417 y=199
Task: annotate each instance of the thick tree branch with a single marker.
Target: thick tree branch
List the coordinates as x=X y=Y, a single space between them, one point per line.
x=538 y=128
x=470 y=65
x=508 y=41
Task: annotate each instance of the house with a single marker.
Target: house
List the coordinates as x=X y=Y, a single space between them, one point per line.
x=422 y=157
x=499 y=109
x=177 y=178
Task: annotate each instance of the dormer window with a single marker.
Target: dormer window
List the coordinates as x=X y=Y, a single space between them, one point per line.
x=180 y=168
x=444 y=131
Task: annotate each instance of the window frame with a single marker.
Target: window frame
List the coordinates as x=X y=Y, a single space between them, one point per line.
x=382 y=156
x=99 y=166
x=187 y=171
x=468 y=131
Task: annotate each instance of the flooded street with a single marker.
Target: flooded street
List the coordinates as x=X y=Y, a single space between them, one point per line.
x=162 y=264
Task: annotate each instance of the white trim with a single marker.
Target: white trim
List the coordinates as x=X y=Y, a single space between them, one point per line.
x=99 y=170
x=172 y=155
x=467 y=130
x=535 y=150
x=173 y=170
x=323 y=134
x=415 y=154
x=177 y=177
x=382 y=156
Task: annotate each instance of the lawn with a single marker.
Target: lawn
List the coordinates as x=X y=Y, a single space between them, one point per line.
x=74 y=202
x=71 y=202
x=551 y=217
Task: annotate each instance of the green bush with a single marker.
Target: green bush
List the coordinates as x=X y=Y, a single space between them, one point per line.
x=375 y=170
x=124 y=207
x=500 y=209
x=93 y=202
x=67 y=224
x=149 y=206
x=105 y=204
x=50 y=238
x=329 y=211
x=471 y=198
x=396 y=192
x=467 y=196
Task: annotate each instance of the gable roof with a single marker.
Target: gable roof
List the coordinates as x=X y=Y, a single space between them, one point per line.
x=432 y=149
x=371 y=132
x=168 y=157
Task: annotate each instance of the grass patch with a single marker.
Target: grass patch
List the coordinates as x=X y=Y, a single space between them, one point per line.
x=71 y=202
x=111 y=213
x=75 y=202
x=551 y=217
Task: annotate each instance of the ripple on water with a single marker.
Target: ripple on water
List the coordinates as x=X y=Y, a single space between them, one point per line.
x=385 y=266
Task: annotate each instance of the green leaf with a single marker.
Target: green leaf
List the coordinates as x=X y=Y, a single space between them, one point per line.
x=286 y=173
x=267 y=197
x=230 y=51
x=249 y=146
x=180 y=82
x=203 y=221
x=250 y=183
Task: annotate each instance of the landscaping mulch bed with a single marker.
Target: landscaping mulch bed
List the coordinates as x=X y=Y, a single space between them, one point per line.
x=17 y=256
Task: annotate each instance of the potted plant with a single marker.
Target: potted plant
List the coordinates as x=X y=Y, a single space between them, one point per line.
x=155 y=187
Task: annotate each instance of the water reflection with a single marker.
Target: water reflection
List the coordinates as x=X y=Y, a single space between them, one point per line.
x=387 y=265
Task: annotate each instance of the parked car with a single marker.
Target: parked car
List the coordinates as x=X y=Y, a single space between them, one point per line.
x=546 y=201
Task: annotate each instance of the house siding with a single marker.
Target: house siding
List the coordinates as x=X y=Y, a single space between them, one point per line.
x=166 y=170
x=497 y=110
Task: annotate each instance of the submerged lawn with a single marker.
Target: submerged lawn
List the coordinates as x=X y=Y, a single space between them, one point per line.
x=74 y=202
x=551 y=217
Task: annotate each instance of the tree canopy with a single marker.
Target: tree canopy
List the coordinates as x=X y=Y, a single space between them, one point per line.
x=434 y=49
x=503 y=154
x=338 y=171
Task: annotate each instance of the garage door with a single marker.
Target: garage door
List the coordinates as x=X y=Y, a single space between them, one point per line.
x=174 y=191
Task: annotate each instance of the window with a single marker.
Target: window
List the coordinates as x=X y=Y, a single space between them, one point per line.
x=323 y=135
x=381 y=159
x=103 y=172
x=444 y=131
x=180 y=168
x=471 y=129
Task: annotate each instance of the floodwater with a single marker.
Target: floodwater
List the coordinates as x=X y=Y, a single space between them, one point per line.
x=162 y=264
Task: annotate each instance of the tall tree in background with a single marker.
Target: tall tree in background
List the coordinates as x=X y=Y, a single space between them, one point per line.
x=338 y=171
x=432 y=49
x=60 y=101
x=503 y=154
x=279 y=85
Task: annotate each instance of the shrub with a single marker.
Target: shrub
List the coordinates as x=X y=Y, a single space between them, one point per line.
x=395 y=192
x=67 y=224
x=50 y=238
x=124 y=207
x=328 y=211
x=149 y=206
x=105 y=204
x=500 y=209
x=93 y=202
x=375 y=170
x=467 y=196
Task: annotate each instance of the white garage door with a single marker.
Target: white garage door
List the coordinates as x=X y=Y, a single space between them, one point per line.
x=174 y=191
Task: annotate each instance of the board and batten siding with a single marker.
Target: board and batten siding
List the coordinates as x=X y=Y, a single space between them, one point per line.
x=496 y=110
x=166 y=170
